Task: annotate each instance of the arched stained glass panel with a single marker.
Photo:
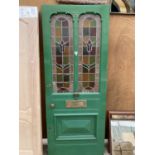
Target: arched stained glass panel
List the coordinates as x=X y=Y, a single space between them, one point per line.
x=89 y=52
x=62 y=53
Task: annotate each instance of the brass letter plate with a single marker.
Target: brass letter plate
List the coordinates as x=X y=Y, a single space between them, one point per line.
x=76 y=104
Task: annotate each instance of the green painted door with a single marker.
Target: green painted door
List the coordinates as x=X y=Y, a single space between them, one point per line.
x=75 y=41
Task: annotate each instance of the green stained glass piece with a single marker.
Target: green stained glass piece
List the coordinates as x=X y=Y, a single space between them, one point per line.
x=58 y=39
x=59 y=78
x=66 y=60
x=66 y=78
x=85 y=84
x=93 y=23
x=57 y=23
x=58 y=50
x=59 y=85
x=85 y=70
x=92 y=77
x=86 y=31
x=92 y=84
x=92 y=59
x=59 y=70
x=93 y=39
x=85 y=51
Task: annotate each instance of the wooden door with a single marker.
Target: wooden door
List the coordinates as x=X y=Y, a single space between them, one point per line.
x=75 y=57
x=30 y=137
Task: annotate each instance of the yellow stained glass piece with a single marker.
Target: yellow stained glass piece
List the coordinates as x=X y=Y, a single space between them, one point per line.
x=59 y=70
x=87 y=23
x=85 y=77
x=86 y=60
x=66 y=84
x=58 y=32
x=86 y=39
x=66 y=50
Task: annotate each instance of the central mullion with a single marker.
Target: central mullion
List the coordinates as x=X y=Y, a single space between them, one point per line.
x=75 y=38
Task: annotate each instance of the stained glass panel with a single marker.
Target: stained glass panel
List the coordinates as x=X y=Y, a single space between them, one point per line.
x=62 y=53
x=89 y=52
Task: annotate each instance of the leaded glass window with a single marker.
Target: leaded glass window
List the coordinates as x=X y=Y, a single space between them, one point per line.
x=89 y=52
x=62 y=53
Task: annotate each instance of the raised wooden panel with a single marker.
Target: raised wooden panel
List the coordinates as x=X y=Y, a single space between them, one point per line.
x=30 y=137
x=75 y=127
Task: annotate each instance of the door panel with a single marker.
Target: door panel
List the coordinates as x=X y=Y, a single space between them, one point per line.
x=75 y=112
x=75 y=126
x=62 y=52
x=89 y=52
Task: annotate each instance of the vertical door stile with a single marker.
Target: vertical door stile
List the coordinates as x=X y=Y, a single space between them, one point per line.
x=104 y=54
x=75 y=38
x=101 y=58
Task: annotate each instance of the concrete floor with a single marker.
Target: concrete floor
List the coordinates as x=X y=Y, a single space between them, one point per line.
x=45 y=147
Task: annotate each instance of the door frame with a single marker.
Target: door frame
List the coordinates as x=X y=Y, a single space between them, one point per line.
x=47 y=12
